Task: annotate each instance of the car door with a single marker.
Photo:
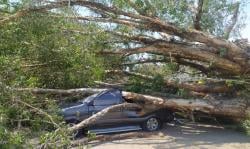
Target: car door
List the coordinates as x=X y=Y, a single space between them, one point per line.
x=103 y=101
x=132 y=115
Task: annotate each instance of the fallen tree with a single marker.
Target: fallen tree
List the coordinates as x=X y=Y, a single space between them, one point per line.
x=238 y=109
x=148 y=28
x=231 y=108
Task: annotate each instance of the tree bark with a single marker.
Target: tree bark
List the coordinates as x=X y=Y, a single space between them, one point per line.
x=230 y=108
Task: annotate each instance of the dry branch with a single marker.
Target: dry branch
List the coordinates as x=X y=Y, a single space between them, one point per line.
x=40 y=111
x=230 y=27
x=109 y=85
x=84 y=91
x=100 y=114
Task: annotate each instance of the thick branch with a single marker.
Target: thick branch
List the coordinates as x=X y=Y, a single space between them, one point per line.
x=100 y=114
x=109 y=85
x=199 y=67
x=86 y=91
x=188 y=52
x=198 y=14
x=127 y=22
x=234 y=52
x=12 y=17
x=229 y=29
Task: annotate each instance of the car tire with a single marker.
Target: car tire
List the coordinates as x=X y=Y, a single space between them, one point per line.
x=152 y=124
x=165 y=115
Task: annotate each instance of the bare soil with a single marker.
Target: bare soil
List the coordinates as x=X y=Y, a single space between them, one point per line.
x=188 y=136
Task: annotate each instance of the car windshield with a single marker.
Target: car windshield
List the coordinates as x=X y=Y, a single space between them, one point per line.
x=90 y=98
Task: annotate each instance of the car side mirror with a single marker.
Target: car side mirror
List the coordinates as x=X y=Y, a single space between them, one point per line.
x=91 y=103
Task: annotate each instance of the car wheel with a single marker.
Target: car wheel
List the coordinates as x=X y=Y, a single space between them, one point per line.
x=152 y=124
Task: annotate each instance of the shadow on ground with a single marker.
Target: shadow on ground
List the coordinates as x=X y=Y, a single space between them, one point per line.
x=190 y=135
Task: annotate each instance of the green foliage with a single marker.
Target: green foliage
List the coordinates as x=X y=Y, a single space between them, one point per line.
x=215 y=14
x=56 y=139
x=183 y=93
x=143 y=86
x=41 y=51
x=171 y=67
x=223 y=52
x=45 y=55
x=158 y=83
x=91 y=136
x=245 y=126
x=18 y=122
x=10 y=139
x=136 y=85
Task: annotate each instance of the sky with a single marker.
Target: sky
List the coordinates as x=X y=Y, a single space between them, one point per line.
x=246 y=31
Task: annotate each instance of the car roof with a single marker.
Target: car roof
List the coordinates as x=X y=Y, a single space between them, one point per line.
x=109 y=90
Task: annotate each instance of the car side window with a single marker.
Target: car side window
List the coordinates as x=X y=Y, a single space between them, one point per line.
x=109 y=98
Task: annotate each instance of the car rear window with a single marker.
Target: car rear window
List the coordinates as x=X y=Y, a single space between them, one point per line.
x=109 y=98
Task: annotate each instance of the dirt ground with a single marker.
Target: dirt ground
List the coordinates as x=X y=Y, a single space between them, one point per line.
x=188 y=136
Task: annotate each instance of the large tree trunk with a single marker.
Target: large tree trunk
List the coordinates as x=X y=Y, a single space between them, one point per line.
x=230 y=108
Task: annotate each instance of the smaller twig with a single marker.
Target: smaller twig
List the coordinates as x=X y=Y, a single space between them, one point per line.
x=40 y=111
